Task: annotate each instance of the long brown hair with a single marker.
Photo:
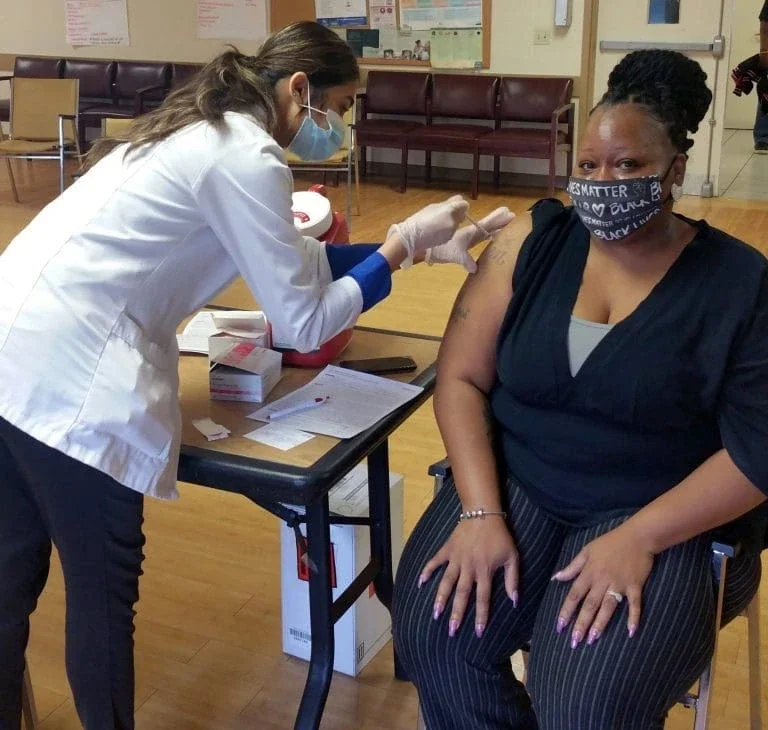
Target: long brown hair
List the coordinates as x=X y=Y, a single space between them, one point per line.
x=235 y=82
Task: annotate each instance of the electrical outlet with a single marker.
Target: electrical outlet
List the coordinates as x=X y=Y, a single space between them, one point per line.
x=541 y=37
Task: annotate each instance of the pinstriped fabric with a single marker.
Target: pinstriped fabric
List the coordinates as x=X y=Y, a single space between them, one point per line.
x=619 y=683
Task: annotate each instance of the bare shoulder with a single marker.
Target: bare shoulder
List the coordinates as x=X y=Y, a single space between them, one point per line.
x=500 y=256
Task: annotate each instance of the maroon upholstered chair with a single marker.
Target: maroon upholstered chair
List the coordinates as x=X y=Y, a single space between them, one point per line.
x=543 y=104
x=457 y=96
x=182 y=72
x=35 y=67
x=134 y=82
x=152 y=97
x=402 y=95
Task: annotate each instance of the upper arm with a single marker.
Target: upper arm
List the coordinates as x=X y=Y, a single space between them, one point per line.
x=743 y=404
x=468 y=350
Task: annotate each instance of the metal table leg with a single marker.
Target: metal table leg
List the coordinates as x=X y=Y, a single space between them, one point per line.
x=320 y=600
x=381 y=531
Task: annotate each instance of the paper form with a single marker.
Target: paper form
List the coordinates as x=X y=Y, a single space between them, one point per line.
x=356 y=402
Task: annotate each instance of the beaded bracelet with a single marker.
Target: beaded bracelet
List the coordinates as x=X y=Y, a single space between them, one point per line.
x=473 y=514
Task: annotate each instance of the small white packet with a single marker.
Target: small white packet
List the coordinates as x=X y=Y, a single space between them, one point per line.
x=211 y=430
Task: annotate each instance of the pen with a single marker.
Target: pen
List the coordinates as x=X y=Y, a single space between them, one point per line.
x=478 y=226
x=298 y=407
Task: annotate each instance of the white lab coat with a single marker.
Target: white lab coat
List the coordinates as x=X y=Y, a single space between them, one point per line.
x=93 y=290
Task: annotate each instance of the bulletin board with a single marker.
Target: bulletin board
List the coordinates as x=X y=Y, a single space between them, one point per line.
x=452 y=46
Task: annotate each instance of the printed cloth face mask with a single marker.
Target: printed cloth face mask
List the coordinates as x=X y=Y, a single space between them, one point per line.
x=312 y=142
x=613 y=209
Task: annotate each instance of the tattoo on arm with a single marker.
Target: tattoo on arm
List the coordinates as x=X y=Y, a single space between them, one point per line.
x=497 y=254
x=460 y=310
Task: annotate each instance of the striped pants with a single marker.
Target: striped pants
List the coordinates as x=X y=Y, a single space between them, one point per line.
x=466 y=683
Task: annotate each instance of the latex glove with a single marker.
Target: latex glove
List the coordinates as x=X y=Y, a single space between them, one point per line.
x=456 y=251
x=432 y=225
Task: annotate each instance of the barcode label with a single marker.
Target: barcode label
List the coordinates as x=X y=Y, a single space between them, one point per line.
x=300 y=635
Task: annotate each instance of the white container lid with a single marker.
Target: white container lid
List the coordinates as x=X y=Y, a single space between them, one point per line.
x=312 y=213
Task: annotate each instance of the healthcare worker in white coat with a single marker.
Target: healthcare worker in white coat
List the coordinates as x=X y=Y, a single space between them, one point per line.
x=91 y=294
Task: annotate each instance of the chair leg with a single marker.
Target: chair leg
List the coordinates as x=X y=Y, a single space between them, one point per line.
x=755 y=684
x=404 y=170
x=707 y=679
x=61 y=170
x=357 y=180
x=552 y=170
x=476 y=175
x=427 y=167
x=28 y=707
x=14 y=191
x=349 y=189
x=496 y=172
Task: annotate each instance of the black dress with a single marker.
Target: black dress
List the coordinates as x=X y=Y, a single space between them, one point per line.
x=683 y=376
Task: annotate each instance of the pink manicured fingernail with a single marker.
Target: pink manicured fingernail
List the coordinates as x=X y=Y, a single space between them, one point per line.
x=479 y=629
x=561 y=624
x=515 y=598
x=422 y=581
x=438 y=610
x=555 y=576
x=452 y=627
x=632 y=631
x=575 y=639
x=594 y=635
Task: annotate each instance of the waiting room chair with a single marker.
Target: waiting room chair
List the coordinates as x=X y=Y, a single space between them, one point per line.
x=347 y=158
x=536 y=107
x=28 y=707
x=115 y=126
x=43 y=124
x=399 y=102
x=700 y=700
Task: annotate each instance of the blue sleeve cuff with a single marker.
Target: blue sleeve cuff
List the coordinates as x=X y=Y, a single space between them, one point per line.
x=343 y=257
x=374 y=279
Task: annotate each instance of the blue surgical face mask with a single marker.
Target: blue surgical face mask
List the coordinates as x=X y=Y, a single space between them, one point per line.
x=313 y=142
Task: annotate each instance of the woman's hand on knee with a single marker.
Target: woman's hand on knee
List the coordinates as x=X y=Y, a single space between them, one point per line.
x=472 y=554
x=607 y=570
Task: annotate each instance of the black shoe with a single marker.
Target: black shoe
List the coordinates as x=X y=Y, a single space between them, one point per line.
x=761 y=148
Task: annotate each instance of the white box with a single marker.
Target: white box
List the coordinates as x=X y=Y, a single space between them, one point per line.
x=366 y=627
x=241 y=369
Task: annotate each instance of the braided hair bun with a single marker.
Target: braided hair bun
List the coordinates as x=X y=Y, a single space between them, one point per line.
x=671 y=85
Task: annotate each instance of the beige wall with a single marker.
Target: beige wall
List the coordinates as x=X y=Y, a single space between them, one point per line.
x=512 y=47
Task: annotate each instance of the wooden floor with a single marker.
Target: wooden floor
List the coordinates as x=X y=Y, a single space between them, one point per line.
x=208 y=627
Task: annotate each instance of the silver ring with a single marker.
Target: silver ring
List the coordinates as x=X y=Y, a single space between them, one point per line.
x=616 y=595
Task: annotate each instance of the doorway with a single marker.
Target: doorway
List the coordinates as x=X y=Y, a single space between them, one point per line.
x=614 y=28
x=743 y=173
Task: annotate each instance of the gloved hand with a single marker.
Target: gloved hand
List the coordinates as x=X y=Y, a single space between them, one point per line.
x=456 y=251
x=430 y=226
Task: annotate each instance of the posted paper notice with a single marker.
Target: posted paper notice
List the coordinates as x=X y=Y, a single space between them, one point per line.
x=227 y=19
x=97 y=22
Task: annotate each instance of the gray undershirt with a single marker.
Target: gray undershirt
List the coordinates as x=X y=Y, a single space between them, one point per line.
x=583 y=338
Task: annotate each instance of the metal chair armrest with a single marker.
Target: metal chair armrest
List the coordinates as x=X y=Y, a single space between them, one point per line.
x=138 y=100
x=560 y=111
x=441 y=469
x=727 y=549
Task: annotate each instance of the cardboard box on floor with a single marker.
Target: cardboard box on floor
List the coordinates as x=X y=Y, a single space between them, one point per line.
x=367 y=626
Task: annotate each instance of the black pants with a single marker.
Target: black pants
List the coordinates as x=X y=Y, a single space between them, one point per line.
x=616 y=684
x=95 y=523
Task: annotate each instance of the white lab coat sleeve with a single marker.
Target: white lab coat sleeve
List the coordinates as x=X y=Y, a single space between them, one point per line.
x=245 y=197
